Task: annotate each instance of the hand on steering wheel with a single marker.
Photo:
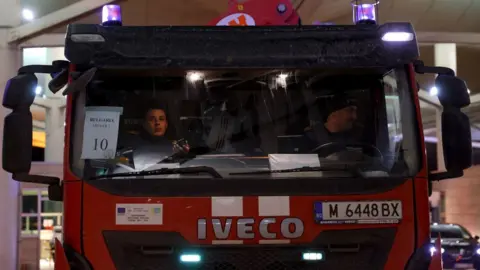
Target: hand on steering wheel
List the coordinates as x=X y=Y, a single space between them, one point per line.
x=328 y=149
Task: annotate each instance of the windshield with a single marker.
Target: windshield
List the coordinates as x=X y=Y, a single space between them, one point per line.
x=246 y=121
x=449 y=231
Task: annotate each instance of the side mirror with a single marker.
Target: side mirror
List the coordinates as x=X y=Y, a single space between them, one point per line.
x=20 y=91
x=452 y=91
x=456 y=130
x=456 y=133
x=19 y=95
x=17 y=142
x=17 y=131
x=456 y=139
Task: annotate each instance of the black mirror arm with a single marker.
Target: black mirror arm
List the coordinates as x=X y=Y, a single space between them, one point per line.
x=444 y=175
x=38 y=179
x=46 y=69
x=422 y=69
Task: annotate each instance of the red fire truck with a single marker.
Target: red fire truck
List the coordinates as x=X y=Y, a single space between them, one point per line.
x=271 y=146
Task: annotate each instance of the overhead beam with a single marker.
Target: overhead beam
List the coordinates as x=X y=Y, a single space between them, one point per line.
x=55 y=18
x=461 y=38
x=45 y=40
x=474 y=98
x=430 y=100
x=39 y=124
x=435 y=140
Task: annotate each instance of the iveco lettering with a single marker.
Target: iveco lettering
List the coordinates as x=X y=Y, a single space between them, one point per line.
x=247 y=228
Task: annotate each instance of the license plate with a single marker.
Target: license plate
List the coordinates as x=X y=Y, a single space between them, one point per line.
x=463 y=266
x=366 y=212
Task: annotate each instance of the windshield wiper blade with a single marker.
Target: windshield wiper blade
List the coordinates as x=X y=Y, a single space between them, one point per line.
x=352 y=169
x=185 y=170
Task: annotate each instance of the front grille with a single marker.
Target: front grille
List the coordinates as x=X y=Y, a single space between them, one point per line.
x=131 y=250
x=465 y=252
x=251 y=258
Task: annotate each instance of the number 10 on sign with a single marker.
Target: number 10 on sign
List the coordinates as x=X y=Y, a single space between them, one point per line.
x=100 y=133
x=101 y=144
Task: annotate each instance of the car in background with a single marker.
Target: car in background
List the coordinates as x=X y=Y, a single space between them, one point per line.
x=460 y=250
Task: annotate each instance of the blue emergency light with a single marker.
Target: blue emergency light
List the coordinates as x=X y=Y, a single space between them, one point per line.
x=111 y=15
x=364 y=13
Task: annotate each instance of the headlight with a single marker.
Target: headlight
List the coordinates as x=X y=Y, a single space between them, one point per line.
x=433 y=250
x=397 y=36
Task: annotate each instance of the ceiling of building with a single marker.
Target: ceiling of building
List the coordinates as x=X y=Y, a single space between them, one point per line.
x=426 y=15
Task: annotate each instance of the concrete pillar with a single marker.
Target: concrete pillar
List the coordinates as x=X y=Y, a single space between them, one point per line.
x=445 y=56
x=55 y=130
x=9 y=189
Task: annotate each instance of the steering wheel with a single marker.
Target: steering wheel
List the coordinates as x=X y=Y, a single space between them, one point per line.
x=332 y=148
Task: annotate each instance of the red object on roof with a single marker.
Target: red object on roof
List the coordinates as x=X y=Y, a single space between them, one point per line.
x=258 y=13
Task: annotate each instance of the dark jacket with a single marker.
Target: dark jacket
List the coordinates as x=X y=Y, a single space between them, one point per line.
x=146 y=149
x=319 y=135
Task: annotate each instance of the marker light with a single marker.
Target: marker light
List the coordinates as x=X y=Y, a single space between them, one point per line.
x=190 y=258
x=194 y=76
x=281 y=80
x=433 y=91
x=312 y=256
x=38 y=90
x=433 y=250
x=27 y=14
x=322 y=23
x=111 y=13
x=364 y=12
x=397 y=36
x=478 y=251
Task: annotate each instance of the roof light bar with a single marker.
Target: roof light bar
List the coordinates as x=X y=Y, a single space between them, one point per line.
x=111 y=15
x=397 y=36
x=364 y=13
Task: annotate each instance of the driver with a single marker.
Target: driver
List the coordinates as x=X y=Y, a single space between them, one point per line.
x=155 y=140
x=339 y=117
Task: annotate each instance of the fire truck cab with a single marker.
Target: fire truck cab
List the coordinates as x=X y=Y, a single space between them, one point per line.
x=256 y=147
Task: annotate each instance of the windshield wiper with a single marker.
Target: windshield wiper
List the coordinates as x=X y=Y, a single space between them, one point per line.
x=163 y=171
x=356 y=171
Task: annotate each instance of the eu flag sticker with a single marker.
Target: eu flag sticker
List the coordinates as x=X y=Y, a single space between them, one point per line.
x=121 y=210
x=157 y=210
x=318 y=211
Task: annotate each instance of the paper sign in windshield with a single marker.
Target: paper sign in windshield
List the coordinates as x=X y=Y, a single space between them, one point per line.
x=100 y=132
x=293 y=161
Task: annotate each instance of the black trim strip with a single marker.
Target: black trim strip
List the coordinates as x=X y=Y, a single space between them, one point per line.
x=415 y=220
x=82 y=245
x=252 y=186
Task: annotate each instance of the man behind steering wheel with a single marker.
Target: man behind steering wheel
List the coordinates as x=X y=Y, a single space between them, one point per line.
x=337 y=136
x=339 y=115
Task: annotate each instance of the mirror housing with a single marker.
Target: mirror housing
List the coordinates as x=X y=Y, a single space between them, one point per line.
x=456 y=131
x=456 y=139
x=17 y=142
x=17 y=131
x=452 y=91
x=17 y=149
x=20 y=91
